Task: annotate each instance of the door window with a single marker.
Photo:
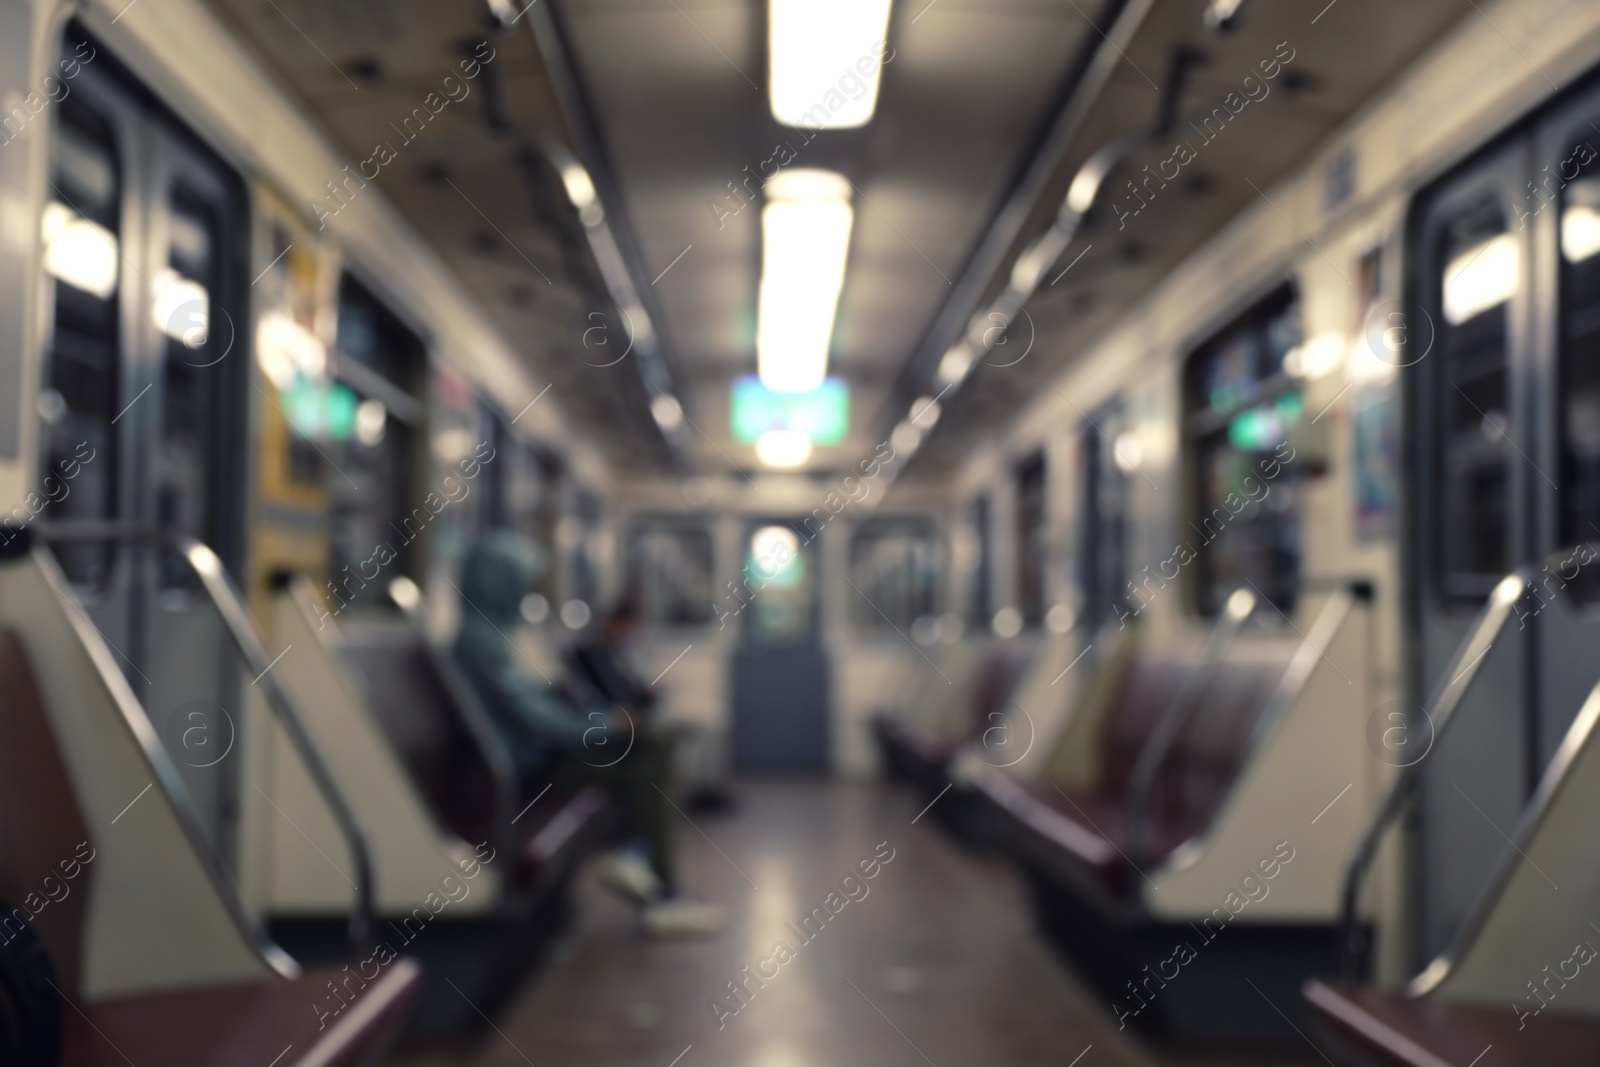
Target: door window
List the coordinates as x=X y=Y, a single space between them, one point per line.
x=1476 y=274
x=1578 y=393
x=78 y=409
x=1241 y=405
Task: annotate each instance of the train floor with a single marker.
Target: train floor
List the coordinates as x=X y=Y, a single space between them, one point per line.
x=937 y=965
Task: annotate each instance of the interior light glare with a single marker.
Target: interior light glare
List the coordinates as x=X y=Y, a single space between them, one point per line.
x=79 y=251
x=805 y=243
x=825 y=58
x=783 y=449
x=1482 y=277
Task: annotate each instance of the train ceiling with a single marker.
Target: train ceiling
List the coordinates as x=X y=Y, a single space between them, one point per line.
x=676 y=91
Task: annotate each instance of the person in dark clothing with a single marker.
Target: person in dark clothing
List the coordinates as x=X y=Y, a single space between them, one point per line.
x=560 y=735
x=601 y=660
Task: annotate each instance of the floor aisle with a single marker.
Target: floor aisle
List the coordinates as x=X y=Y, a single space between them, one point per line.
x=935 y=964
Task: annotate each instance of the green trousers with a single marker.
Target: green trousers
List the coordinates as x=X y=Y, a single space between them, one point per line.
x=639 y=782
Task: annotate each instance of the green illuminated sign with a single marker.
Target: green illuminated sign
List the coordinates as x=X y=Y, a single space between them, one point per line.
x=321 y=409
x=822 y=414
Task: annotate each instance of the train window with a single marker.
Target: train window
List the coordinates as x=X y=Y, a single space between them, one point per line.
x=1579 y=373
x=1102 y=556
x=375 y=494
x=894 y=563
x=670 y=567
x=81 y=231
x=1475 y=276
x=781 y=571
x=1033 y=530
x=582 y=541
x=190 y=460
x=1240 y=407
x=977 y=563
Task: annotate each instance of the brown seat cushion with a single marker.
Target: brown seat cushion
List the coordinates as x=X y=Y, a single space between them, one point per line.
x=422 y=718
x=1356 y=1025
x=244 y=1024
x=41 y=825
x=1091 y=827
x=555 y=830
x=932 y=750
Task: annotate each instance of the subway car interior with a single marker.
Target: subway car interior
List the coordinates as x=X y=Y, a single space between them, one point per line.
x=717 y=533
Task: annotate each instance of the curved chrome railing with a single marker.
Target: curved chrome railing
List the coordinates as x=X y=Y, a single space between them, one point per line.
x=1348 y=594
x=1439 y=710
x=485 y=737
x=231 y=609
x=1579 y=736
x=1241 y=604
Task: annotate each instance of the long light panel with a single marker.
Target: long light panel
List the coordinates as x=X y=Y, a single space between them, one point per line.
x=805 y=232
x=825 y=57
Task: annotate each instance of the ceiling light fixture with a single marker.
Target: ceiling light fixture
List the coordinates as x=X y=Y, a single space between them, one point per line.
x=924 y=412
x=805 y=230
x=825 y=57
x=783 y=449
x=667 y=412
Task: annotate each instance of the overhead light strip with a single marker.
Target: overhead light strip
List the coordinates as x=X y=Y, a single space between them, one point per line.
x=825 y=58
x=805 y=230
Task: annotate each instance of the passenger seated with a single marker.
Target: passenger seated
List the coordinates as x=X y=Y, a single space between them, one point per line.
x=557 y=736
x=600 y=659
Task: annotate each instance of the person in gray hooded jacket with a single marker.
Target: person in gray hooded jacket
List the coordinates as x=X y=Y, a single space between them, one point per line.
x=563 y=734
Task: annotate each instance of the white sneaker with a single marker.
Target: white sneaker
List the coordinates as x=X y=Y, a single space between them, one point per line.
x=682 y=918
x=628 y=873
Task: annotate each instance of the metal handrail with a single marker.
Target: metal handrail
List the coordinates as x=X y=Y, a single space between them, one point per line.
x=485 y=738
x=1439 y=711
x=230 y=607
x=1347 y=594
x=1579 y=736
x=1241 y=604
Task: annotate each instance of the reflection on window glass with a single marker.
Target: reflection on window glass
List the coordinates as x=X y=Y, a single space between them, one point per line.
x=1109 y=454
x=1476 y=261
x=895 y=565
x=777 y=571
x=80 y=395
x=1242 y=406
x=367 y=422
x=188 y=463
x=1579 y=372
x=670 y=573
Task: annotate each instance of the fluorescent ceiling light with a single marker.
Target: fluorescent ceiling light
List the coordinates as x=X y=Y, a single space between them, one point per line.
x=783 y=449
x=79 y=251
x=580 y=188
x=955 y=365
x=825 y=57
x=1482 y=277
x=805 y=230
x=905 y=438
x=924 y=412
x=667 y=412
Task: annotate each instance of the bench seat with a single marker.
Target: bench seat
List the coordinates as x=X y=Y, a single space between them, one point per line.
x=243 y=1024
x=1377 y=1028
